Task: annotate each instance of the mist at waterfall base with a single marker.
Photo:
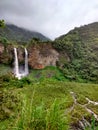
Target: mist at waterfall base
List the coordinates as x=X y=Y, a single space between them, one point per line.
x=21 y=71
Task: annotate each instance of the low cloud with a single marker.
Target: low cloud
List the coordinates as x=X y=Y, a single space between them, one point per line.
x=52 y=18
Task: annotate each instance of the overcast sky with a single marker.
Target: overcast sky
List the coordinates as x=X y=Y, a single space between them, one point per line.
x=50 y=17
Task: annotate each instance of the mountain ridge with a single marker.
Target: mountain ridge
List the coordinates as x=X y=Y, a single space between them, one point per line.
x=15 y=33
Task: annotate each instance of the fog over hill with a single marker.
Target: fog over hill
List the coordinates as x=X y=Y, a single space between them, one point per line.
x=14 y=33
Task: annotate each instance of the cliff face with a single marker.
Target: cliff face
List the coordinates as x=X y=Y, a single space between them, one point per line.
x=42 y=55
x=6 y=54
x=39 y=56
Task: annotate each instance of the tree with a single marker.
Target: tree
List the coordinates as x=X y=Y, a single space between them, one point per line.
x=35 y=39
x=2 y=23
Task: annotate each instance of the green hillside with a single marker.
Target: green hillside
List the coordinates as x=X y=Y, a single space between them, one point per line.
x=61 y=97
x=14 y=33
x=81 y=47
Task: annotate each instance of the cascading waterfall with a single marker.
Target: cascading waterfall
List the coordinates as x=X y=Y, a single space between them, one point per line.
x=26 y=62
x=16 y=68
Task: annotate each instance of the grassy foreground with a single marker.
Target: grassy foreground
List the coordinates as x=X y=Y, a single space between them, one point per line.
x=45 y=101
x=45 y=105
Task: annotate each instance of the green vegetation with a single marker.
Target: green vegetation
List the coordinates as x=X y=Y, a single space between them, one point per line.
x=53 y=98
x=2 y=24
x=38 y=117
x=14 y=33
x=43 y=104
x=81 y=47
x=3 y=40
x=4 y=69
x=50 y=72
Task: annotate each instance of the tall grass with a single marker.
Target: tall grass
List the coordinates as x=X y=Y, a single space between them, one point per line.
x=55 y=120
x=93 y=125
x=39 y=117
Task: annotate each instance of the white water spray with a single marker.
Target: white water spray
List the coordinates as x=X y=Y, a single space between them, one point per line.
x=16 y=69
x=26 y=62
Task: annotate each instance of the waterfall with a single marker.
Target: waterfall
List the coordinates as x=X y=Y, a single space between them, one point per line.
x=16 y=67
x=26 y=62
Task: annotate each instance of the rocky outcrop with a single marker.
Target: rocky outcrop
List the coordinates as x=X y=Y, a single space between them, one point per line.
x=6 y=54
x=42 y=55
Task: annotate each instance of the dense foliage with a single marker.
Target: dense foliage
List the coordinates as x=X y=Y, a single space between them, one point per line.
x=81 y=46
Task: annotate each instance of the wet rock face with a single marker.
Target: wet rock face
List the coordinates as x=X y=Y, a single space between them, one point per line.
x=42 y=56
x=21 y=54
x=39 y=56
